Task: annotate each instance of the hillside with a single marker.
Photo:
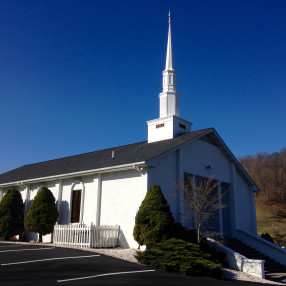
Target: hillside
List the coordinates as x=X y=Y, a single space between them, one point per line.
x=269 y=173
x=271 y=218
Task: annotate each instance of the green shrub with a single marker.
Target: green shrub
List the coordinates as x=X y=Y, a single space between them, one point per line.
x=267 y=237
x=181 y=256
x=43 y=213
x=154 y=221
x=215 y=256
x=11 y=214
x=185 y=233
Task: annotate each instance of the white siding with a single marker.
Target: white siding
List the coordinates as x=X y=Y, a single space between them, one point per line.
x=122 y=194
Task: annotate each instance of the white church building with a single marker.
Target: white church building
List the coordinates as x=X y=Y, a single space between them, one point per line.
x=106 y=187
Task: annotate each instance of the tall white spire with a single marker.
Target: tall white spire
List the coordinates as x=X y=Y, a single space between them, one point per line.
x=169 y=57
x=169 y=98
x=169 y=125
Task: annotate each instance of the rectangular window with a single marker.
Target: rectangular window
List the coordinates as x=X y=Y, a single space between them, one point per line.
x=76 y=200
x=160 y=125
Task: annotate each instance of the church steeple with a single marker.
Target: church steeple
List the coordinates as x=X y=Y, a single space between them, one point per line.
x=169 y=98
x=169 y=57
x=169 y=125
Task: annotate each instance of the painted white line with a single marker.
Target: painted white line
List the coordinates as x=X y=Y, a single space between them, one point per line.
x=26 y=249
x=18 y=245
x=106 y=274
x=48 y=259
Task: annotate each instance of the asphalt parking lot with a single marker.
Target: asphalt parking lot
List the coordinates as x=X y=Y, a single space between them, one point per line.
x=49 y=265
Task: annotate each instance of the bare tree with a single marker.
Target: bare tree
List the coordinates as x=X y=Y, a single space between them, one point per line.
x=202 y=199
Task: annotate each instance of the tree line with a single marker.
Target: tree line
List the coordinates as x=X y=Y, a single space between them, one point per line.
x=269 y=173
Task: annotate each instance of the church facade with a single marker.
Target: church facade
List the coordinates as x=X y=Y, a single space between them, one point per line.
x=107 y=187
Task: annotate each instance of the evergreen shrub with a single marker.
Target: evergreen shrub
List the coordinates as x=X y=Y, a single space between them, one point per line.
x=185 y=233
x=181 y=256
x=43 y=213
x=154 y=221
x=267 y=237
x=215 y=256
x=11 y=214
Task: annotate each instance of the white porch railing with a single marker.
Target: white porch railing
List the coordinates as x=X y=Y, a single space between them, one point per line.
x=83 y=235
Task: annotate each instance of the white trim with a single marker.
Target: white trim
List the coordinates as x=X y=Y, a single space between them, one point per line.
x=81 y=173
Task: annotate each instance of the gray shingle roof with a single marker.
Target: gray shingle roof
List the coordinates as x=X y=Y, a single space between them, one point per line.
x=133 y=153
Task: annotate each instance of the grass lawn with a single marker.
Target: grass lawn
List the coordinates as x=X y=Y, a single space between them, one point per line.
x=271 y=218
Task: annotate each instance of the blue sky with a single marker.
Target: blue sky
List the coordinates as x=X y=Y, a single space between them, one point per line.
x=80 y=76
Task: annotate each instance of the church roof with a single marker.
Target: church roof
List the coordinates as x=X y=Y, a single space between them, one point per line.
x=137 y=154
x=123 y=155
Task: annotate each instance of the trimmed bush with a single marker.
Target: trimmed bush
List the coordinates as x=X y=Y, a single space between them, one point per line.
x=154 y=221
x=181 y=256
x=11 y=214
x=43 y=213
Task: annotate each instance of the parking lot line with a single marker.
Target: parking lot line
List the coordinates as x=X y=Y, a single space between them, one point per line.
x=105 y=274
x=48 y=259
x=17 y=245
x=26 y=249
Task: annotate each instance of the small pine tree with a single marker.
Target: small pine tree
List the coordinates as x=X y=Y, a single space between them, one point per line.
x=154 y=221
x=43 y=213
x=11 y=214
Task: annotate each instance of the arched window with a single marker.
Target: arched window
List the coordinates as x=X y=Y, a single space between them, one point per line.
x=77 y=202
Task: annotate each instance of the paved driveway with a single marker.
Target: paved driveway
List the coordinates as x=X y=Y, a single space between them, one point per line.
x=47 y=265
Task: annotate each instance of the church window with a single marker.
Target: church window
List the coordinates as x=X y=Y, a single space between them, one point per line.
x=76 y=200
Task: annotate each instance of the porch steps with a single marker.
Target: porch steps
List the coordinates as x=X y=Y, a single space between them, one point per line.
x=273 y=270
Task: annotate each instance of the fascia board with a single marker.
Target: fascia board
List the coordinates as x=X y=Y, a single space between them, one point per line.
x=237 y=163
x=75 y=174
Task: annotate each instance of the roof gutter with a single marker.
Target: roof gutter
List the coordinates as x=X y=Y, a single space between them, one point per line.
x=139 y=166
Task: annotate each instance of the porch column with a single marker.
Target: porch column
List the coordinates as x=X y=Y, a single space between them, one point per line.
x=220 y=211
x=194 y=215
x=28 y=190
x=1 y=194
x=60 y=191
x=232 y=199
x=180 y=206
x=98 y=206
x=253 y=211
